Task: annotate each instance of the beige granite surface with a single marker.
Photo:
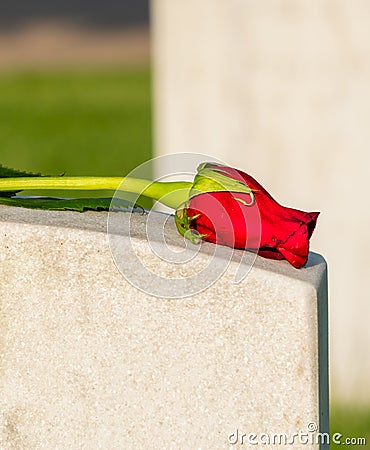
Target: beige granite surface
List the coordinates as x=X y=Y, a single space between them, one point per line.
x=87 y=361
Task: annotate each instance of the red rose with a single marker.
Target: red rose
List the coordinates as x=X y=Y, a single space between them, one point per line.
x=229 y=207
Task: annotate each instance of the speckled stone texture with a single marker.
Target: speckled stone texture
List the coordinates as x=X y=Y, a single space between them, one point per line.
x=90 y=362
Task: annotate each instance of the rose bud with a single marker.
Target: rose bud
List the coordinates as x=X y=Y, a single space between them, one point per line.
x=229 y=207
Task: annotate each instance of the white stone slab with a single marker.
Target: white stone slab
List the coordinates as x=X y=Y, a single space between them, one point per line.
x=88 y=361
x=281 y=90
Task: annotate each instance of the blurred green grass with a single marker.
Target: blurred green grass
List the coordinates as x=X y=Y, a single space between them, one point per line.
x=350 y=421
x=79 y=122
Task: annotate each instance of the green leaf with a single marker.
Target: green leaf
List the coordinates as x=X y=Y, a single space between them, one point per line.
x=54 y=203
x=7 y=172
x=69 y=204
x=211 y=178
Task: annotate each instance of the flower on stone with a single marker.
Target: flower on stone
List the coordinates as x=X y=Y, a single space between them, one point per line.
x=229 y=207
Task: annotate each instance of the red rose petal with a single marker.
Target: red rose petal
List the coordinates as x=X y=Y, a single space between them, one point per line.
x=276 y=231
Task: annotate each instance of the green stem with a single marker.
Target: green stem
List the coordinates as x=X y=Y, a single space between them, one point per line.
x=171 y=193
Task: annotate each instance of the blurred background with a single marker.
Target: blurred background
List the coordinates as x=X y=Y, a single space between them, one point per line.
x=279 y=89
x=75 y=86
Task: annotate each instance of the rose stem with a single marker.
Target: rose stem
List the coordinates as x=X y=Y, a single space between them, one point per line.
x=171 y=193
